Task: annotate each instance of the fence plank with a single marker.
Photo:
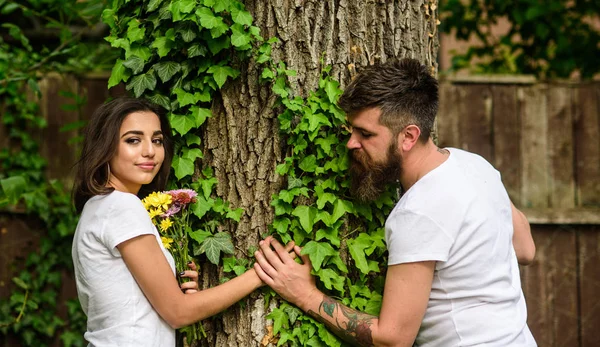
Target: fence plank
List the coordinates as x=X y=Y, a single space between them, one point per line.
x=589 y=274
x=534 y=189
x=506 y=135
x=551 y=288
x=449 y=116
x=560 y=147
x=55 y=146
x=587 y=144
x=476 y=120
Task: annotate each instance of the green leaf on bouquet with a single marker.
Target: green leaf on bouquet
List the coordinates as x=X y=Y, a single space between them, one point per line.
x=214 y=245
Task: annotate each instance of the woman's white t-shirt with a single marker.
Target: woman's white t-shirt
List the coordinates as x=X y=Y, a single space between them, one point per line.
x=118 y=313
x=459 y=215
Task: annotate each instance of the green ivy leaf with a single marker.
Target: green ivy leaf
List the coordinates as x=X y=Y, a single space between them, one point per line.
x=280 y=87
x=221 y=5
x=134 y=32
x=166 y=70
x=241 y=17
x=183 y=167
x=318 y=251
x=214 y=245
x=119 y=73
x=140 y=83
x=196 y=50
x=200 y=114
x=219 y=44
x=153 y=5
x=341 y=207
x=236 y=214
x=161 y=100
x=280 y=320
x=219 y=29
x=220 y=73
x=331 y=279
x=138 y=50
x=328 y=338
x=306 y=215
x=281 y=225
x=199 y=235
x=202 y=206
x=135 y=63
x=182 y=123
x=163 y=45
x=207 y=186
x=332 y=88
x=357 y=248
x=187 y=6
x=207 y=18
x=239 y=37
x=308 y=164
x=192 y=139
x=192 y=153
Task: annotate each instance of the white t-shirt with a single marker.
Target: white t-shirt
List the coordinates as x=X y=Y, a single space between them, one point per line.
x=118 y=313
x=459 y=215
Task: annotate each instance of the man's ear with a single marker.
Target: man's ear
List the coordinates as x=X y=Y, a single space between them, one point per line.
x=408 y=137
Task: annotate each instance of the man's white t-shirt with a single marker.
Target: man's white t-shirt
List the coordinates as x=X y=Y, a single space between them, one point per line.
x=118 y=313
x=459 y=215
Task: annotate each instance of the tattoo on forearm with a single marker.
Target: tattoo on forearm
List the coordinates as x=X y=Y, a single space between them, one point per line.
x=354 y=327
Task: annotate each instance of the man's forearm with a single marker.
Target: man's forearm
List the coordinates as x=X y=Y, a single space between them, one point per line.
x=351 y=325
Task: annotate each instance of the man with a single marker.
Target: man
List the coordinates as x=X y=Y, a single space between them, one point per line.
x=452 y=277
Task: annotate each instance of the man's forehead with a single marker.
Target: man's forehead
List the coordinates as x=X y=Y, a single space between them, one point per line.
x=365 y=118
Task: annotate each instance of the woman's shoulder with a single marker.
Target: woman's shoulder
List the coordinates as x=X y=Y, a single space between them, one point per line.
x=117 y=201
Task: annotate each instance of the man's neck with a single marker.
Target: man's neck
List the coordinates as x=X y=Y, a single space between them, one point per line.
x=419 y=161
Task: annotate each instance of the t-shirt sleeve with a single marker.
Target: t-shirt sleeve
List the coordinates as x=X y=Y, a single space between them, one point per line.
x=127 y=219
x=412 y=237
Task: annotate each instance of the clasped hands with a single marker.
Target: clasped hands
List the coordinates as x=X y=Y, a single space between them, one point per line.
x=276 y=266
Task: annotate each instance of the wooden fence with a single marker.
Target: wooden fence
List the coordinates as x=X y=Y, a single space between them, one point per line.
x=543 y=137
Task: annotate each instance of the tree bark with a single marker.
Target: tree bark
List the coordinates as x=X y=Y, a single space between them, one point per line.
x=241 y=140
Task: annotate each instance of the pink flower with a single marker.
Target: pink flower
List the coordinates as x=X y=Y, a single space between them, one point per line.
x=182 y=196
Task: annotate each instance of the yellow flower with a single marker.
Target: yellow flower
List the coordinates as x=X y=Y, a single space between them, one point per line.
x=166 y=241
x=153 y=212
x=157 y=200
x=165 y=224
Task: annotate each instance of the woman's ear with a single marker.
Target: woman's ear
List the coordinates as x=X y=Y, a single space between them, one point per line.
x=408 y=137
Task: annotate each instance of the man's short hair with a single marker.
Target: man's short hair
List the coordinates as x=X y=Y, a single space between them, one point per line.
x=403 y=90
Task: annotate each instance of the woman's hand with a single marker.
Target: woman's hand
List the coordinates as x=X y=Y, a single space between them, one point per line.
x=192 y=285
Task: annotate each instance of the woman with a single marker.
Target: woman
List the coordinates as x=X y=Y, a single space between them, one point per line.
x=125 y=278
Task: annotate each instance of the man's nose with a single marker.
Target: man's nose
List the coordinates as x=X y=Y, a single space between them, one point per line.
x=353 y=142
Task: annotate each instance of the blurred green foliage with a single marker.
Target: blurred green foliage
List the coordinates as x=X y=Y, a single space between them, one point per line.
x=549 y=39
x=37 y=37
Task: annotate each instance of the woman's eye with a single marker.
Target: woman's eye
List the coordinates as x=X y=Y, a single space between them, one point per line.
x=158 y=141
x=132 y=140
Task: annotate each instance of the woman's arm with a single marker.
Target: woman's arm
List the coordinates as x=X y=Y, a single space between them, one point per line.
x=150 y=268
x=522 y=239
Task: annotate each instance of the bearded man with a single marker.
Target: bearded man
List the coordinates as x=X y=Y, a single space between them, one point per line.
x=454 y=238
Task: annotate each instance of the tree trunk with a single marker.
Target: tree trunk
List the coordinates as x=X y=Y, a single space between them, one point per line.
x=241 y=140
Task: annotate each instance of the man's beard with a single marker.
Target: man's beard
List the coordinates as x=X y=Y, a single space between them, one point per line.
x=369 y=179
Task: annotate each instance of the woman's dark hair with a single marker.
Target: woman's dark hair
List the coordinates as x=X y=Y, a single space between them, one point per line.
x=101 y=138
x=404 y=91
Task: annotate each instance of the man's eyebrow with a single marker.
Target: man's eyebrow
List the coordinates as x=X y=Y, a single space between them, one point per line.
x=139 y=132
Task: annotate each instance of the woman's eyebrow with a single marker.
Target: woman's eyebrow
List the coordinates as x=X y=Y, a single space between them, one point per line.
x=139 y=132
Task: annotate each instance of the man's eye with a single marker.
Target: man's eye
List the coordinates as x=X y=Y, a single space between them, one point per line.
x=366 y=135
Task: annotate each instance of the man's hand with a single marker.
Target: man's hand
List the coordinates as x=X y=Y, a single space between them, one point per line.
x=281 y=272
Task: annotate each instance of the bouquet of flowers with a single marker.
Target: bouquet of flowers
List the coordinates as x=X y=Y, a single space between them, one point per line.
x=169 y=211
